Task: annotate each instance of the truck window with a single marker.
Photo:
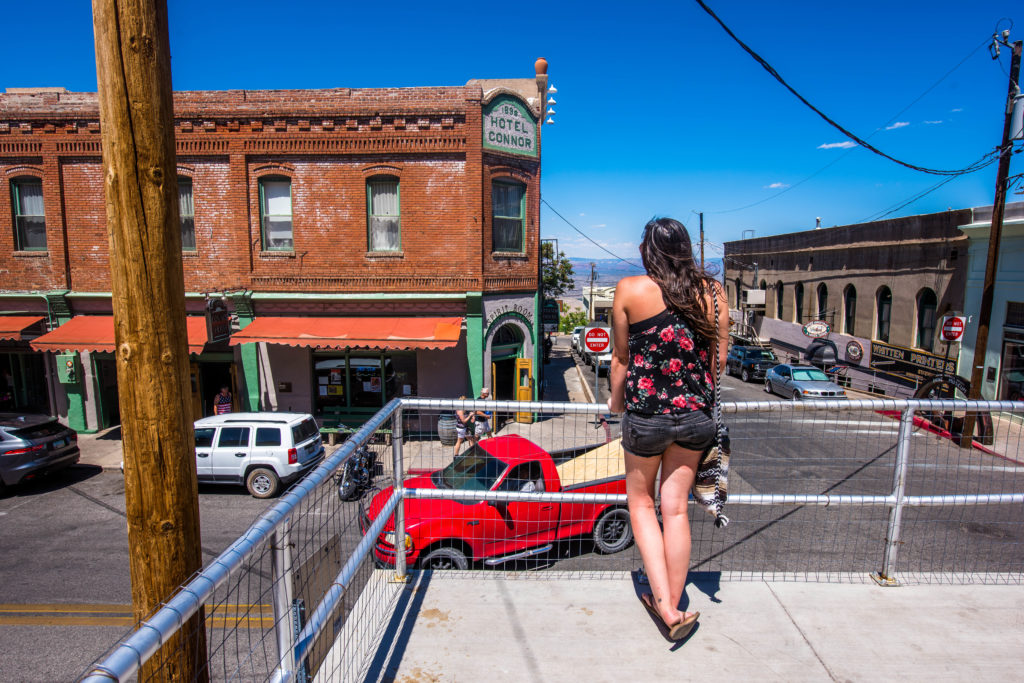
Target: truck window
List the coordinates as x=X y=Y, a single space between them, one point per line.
x=525 y=477
x=473 y=470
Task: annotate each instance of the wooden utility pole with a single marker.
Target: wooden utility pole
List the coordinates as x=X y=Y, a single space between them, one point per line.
x=994 y=238
x=701 y=214
x=133 y=68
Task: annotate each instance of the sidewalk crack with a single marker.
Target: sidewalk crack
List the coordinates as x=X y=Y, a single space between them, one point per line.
x=828 y=670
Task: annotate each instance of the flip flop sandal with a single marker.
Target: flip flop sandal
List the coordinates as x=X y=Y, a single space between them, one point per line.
x=676 y=631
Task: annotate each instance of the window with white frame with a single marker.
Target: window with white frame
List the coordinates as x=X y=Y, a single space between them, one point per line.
x=383 y=214
x=507 y=213
x=186 y=212
x=29 y=214
x=276 y=213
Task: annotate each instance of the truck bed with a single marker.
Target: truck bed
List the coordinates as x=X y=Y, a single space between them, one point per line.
x=603 y=462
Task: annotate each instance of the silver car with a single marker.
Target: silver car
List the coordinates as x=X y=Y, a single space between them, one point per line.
x=801 y=382
x=31 y=445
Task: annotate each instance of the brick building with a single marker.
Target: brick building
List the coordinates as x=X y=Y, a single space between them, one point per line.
x=367 y=243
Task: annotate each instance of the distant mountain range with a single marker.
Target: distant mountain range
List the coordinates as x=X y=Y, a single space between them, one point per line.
x=609 y=271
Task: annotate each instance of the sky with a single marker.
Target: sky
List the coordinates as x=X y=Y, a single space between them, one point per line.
x=658 y=111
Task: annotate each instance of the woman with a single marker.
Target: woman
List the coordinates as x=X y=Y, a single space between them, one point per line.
x=663 y=379
x=222 y=401
x=463 y=427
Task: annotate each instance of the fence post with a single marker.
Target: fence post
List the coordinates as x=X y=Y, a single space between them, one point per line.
x=397 y=438
x=284 y=626
x=899 y=489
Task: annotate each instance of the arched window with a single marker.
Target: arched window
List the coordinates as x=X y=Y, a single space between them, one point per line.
x=822 y=301
x=849 y=308
x=764 y=284
x=778 y=300
x=739 y=287
x=883 y=311
x=798 y=303
x=926 y=305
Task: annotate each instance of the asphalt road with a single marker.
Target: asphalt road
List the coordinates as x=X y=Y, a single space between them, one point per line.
x=65 y=595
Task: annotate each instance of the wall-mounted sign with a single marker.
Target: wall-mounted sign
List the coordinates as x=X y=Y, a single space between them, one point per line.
x=509 y=126
x=854 y=351
x=524 y=311
x=901 y=360
x=549 y=316
x=218 y=323
x=817 y=329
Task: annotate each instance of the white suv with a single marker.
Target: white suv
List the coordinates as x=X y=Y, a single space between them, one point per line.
x=261 y=450
x=576 y=332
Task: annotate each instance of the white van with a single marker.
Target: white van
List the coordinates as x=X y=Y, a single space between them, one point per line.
x=261 y=450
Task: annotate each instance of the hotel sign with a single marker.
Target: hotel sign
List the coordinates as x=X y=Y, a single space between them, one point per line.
x=901 y=360
x=509 y=126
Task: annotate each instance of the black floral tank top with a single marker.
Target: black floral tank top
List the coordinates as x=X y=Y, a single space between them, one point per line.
x=668 y=367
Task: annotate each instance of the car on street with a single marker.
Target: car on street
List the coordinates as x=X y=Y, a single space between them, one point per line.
x=801 y=382
x=443 y=533
x=575 y=344
x=264 y=451
x=749 y=362
x=33 y=445
x=601 y=362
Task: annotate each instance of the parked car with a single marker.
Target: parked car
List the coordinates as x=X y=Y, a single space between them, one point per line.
x=749 y=362
x=801 y=382
x=263 y=451
x=455 y=534
x=575 y=343
x=601 y=362
x=32 y=445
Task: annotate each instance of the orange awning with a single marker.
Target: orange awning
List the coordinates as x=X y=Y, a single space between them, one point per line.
x=96 y=333
x=11 y=326
x=342 y=333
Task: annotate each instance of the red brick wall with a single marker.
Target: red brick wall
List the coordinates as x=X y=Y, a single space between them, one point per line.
x=328 y=142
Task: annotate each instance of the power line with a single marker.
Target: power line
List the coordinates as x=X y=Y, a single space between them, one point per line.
x=587 y=237
x=860 y=141
x=854 y=149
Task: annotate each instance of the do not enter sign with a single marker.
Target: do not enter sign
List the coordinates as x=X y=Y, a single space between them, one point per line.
x=596 y=339
x=953 y=328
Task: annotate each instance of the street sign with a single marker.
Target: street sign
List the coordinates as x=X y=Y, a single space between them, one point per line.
x=953 y=327
x=597 y=339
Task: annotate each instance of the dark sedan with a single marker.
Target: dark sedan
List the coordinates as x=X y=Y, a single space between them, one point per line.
x=31 y=445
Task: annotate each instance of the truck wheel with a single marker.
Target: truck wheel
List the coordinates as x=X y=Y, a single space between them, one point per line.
x=612 y=531
x=745 y=375
x=444 y=558
x=262 y=482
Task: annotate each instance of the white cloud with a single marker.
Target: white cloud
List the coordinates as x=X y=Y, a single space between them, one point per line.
x=898 y=124
x=838 y=145
x=599 y=225
x=932 y=123
x=957 y=109
x=582 y=214
x=775 y=186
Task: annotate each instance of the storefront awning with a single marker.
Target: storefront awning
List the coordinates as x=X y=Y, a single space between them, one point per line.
x=96 y=333
x=399 y=334
x=11 y=326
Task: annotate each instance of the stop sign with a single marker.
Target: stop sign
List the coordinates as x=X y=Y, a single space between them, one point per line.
x=952 y=328
x=597 y=340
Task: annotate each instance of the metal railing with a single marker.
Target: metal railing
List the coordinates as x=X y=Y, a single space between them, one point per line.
x=838 y=484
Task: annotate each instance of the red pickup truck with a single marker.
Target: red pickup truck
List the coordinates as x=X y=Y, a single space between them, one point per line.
x=452 y=534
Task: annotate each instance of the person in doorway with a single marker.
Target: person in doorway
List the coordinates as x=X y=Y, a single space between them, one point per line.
x=7 y=391
x=222 y=401
x=464 y=429
x=663 y=378
x=482 y=426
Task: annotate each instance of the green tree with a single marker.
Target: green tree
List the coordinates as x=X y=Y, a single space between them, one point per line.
x=556 y=271
x=574 y=319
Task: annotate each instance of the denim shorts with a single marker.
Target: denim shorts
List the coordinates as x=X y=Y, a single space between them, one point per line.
x=650 y=435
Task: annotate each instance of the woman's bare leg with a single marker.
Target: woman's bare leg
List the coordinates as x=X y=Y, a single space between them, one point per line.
x=640 y=477
x=678 y=470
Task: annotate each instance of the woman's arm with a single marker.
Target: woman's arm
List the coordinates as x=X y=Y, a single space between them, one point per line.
x=620 y=349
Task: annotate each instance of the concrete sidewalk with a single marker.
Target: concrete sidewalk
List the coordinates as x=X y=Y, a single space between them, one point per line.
x=468 y=626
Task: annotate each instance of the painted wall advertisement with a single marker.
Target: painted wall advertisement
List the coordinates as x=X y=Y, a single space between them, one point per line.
x=903 y=361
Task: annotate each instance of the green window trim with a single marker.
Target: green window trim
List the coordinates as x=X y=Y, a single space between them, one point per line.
x=498 y=220
x=28 y=225
x=382 y=243
x=287 y=244
x=187 y=214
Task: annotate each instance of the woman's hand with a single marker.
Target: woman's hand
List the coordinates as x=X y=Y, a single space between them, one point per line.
x=615 y=406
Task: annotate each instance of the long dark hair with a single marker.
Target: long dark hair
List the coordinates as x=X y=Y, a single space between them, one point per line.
x=667 y=254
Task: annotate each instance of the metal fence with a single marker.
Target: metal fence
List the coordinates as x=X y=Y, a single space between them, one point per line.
x=819 y=491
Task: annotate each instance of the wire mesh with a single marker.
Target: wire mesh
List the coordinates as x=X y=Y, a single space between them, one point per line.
x=540 y=493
